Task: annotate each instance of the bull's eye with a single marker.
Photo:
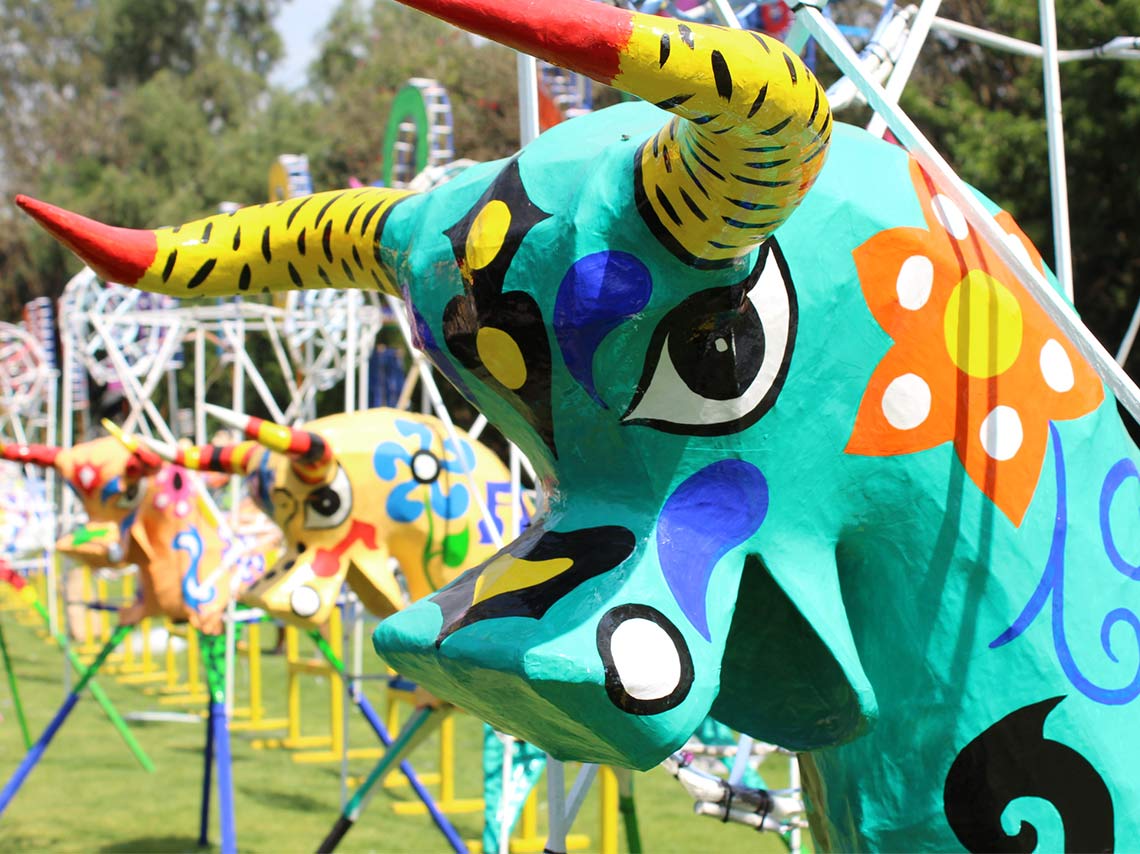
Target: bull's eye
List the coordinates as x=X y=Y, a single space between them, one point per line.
x=329 y=505
x=717 y=361
x=132 y=495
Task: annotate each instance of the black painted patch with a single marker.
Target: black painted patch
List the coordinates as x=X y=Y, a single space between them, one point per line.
x=484 y=304
x=592 y=552
x=1013 y=759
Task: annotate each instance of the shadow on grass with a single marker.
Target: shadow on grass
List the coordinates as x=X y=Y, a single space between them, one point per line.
x=157 y=845
x=289 y=801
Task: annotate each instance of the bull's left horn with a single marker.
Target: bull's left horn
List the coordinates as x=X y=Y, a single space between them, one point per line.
x=327 y=240
x=310 y=453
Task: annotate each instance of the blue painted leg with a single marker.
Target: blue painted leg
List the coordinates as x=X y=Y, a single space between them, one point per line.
x=225 y=778
x=208 y=758
x=36 y=753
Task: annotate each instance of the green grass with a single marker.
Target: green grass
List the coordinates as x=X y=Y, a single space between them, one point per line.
x=88 y=795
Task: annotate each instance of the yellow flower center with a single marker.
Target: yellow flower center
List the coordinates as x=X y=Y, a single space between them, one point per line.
x=983 y=325
x=487 y=234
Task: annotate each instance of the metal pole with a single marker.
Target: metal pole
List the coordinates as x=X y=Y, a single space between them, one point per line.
x=1058 y=182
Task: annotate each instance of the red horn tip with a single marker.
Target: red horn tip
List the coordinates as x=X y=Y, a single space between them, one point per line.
x=117 y=254
x=584 y=36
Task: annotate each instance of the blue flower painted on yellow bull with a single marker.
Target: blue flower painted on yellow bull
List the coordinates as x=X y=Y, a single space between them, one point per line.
x=828 y=475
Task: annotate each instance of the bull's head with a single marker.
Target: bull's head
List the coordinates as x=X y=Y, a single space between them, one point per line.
x=141 y=511
x=632 y=245
x=349 y=491
x=111 y=483
x=787 y=459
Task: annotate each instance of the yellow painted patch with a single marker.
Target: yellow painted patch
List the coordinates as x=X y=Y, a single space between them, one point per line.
x=507 y=572
x=983 y=326
x=487 y=234
x=501 y=356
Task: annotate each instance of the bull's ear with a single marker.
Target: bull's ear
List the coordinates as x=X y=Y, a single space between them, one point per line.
x=793 y=678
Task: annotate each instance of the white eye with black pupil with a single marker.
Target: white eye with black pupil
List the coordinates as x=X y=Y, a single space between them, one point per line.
x=329 y=505
x=717 y=361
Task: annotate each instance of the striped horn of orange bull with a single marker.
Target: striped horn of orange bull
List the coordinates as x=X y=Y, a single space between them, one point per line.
x=324 y=240
x=143 y=462
x=311 y=454
x=233 y=458
x=751 y=123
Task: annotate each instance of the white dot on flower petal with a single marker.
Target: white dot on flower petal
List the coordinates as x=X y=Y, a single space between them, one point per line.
x=161 y=501
x=1001 y=433
x=181 y=508
x=906 y=402
x=951 y=218
x=1014 y=242
x=915 y=279
x=1056 y=367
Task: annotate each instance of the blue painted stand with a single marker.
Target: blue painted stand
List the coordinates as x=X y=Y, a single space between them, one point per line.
x=208 y=760
x=221 y=738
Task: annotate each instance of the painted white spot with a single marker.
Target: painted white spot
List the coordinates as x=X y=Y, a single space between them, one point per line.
x=86 y=477
x=906 y=402
x=181 y=508
x=305 y=601
x=646 y=661
x=425 y=467
x=1001 y=433
x=915 y=279
x=950 y=216
x=162 y=500
x=721 y=345
x=1014 y=243
x=1056 y=367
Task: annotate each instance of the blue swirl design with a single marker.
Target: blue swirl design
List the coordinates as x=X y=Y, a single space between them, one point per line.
x=401 y=506
x=1052 y=587
x=193 y=593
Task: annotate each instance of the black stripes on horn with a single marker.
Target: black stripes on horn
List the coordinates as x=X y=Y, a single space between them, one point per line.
x=293 y=213
x=759 y=102
x=791 y=67
x=368 y=216
x=697 y=212
x=664 y=50
x=169 y=268
x=266 y=251
x=348 y=271
x=301 y=241
x=244 y=278
x=326 y=241
x=295 y=276
x=675 y=101
x=205 y=238
x=322 y=211
x=721 y=75
x=201 y=275
x=325 y=276
x=237 y=238
x=352 y=216
x=663 y=200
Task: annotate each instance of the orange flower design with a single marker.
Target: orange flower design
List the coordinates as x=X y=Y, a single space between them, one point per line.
x=975 y=359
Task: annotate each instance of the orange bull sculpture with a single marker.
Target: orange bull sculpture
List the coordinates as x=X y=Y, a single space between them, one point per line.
x=349 y=492
x=141 y=511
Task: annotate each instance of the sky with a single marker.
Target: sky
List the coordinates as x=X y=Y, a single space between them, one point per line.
x=299 y=23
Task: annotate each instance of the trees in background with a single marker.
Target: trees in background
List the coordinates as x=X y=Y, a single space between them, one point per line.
x=150 y=111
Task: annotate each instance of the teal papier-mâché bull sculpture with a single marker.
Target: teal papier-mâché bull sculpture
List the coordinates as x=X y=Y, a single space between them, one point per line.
x=833 y=477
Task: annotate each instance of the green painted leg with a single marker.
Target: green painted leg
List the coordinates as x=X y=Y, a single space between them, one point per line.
x=15 y=692
x=412 y=733
x=97 y=692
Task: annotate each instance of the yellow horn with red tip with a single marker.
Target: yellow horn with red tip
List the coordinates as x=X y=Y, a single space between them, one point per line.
x=751 y=122
x=324 y=240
